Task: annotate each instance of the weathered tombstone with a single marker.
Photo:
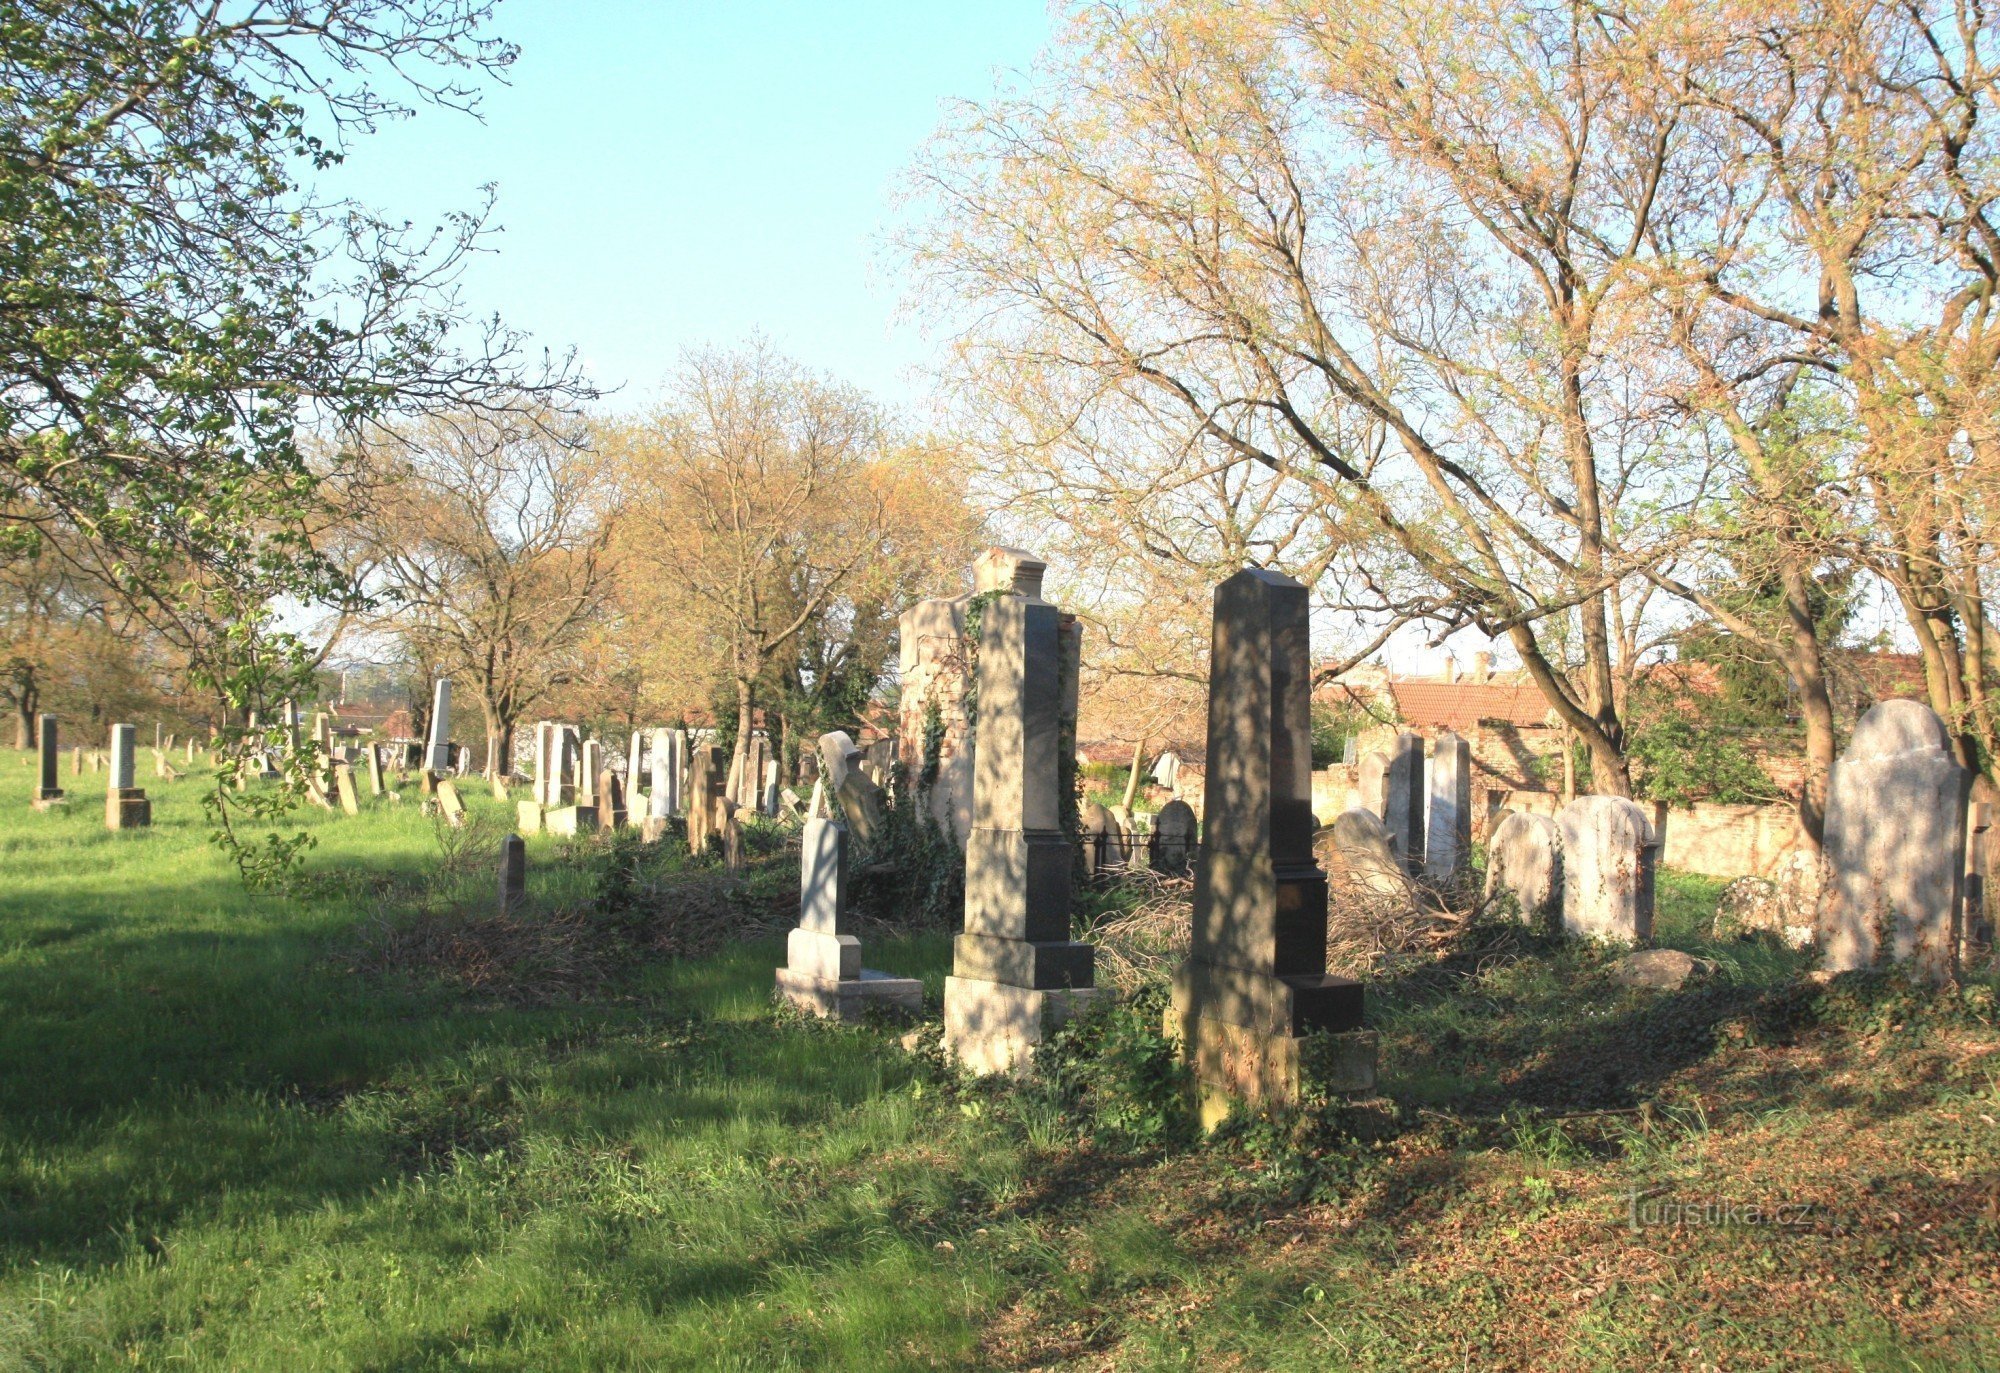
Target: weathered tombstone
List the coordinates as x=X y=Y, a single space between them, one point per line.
x=190 y=752
x=125 y=803
x=1173 y=838
x=1016 y=973
x=1895 y=846
x=635 y=759
x=372 y=755
x=343 y=784
x=732 y=835
x=1403 y=811
x=47 y=792
x=1255 y=985
x=76 y=761
x=1099 y=844
x=669 y=761
x=1123 y=841
x=513 y=873
x=1976 y=942
x=1360 y=860
x=437 y=754
x=707 y=779
x=1448 y=826
x=1524 y=860
x=588 y=768
x=1372 y=783
x=1608 y=856
x=823 y=973
x=610 y=799
x=768 y=797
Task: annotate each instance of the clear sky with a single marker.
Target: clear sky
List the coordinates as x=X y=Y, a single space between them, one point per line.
x=674 y=173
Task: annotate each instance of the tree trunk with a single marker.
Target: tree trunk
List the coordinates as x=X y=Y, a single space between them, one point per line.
x=740 y=763
x=1132 y=782
x=24 y=722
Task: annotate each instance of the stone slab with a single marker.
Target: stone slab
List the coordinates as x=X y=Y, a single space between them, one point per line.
x=569 y=821
x=1020 y=963
x=852 y=998
x=1235 y=1065
x=808 y=953
x=1294 y=1004
x=127 y=809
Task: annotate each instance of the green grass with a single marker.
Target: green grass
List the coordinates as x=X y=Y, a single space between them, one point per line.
x=228 y=1141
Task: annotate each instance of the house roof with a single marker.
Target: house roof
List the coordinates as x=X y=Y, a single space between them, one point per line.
x=1461 y=705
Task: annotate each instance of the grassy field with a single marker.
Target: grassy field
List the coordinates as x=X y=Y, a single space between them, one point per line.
x=377 y=1129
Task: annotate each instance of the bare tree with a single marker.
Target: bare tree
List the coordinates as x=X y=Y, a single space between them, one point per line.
x=483 y=539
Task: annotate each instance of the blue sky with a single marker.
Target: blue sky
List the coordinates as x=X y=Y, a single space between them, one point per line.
x=674 y=174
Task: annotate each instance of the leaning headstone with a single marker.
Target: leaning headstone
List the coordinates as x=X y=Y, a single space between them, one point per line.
x=1448 y=823
x=1173 y=838
x=437 y=753
x=732 y=836
x=1371 y=782
x=1895 y=846
x=1524 y=861
x=125 y=803
x=1360 y=861
x=1255 y=988
x=513 y=873
x=1124 y=840
x=1403 y=800
x=1608 y=856
x=372 y=755
x=1016 y=973
x=343 y=785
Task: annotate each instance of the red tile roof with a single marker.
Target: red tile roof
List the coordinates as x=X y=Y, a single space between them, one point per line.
x=1461 y=705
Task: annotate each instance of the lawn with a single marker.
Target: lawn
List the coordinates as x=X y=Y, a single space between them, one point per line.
x=368 y=1129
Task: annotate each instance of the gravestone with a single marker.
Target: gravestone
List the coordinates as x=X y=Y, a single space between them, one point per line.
x=1371 y=782
x=1360 y=860
x=1403 y=800
x=635 y=760
x=669 y=764
x=1524 y=861
x=125 y=803
x=1096 y=829
x=1448 y=825
x=1016 y=973
x=732 y=835
x=1608 y=857
x=708 y=778
x=823 y=974
x=343 y=785
x=1254 y=987
x=1895 y=846
x=1124 y=839
x=437 y=754
x=610 y=799
x=76 y=761
x=513 y=873
x=1173 y=838
x=589 y=768
x=47 y=791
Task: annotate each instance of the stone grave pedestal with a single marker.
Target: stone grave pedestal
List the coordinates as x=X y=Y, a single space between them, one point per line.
x=1257 y=1015
x=823 y=975
x=1016 y=973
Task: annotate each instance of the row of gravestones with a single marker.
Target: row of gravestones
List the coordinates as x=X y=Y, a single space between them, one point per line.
x=1254 y=987
x=1891 y=885
x=329 y=775
x=576 y=791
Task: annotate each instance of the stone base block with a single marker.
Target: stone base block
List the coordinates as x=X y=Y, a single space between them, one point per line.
x=654 y=828
x=1047 y=965
x=849 y=998
x=1235 y=1065
x=49 y=800
x=528 y=817
x=127 y=809
x=1286 y=1004
x=992 y=1027
x=569 y=821
x=829 y=957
